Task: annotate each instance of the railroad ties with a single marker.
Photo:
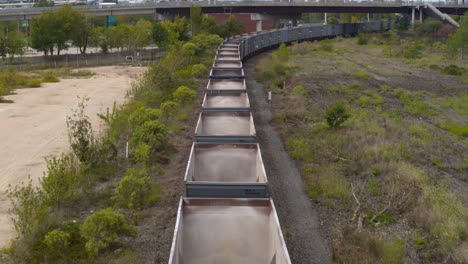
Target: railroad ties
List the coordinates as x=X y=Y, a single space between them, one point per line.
x=227 y=215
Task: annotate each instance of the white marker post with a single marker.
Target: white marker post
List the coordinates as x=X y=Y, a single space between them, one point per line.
x=269 y=97
x=126 y=148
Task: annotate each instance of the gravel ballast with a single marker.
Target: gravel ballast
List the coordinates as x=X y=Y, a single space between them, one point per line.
x=297 y=213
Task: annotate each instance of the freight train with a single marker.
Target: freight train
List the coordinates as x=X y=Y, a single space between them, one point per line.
x=227 y=215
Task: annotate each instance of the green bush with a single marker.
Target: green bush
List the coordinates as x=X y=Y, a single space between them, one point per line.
x=326 y=45
x=50 y=77
x=299 y=90
x=142 y=115
x=80 y=132
x=168 y=109
x=362 y=75
x=453 y=70
x=103 y=228
x=356 y=86
x=136 y=190
x=184 y=95
x=362 y=39
x=336 y=115
x=414 y=52
x=370 y=99
x=298 y=149
x=60 y=185
x=142 y=153
x=33 y=83
x=57 y=243
x=199 y=70
x=152 y=133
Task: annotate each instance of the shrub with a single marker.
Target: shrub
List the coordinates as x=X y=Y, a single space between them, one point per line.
x=414 y=52
x=299 y=90
x=80 y=132
x=57 y=243
x=362 y=75
x=168 y=109
x=103 y=228
x=336 y=115
x=328 y=183
x=142 y=115
x=362 y=39
x=152 y=133
x=27 y=208
x=184 y=95
x=453 y=70
x=370 y=99
x=281 y=54
x=326 y=45
x=199 y=70
x=142 y=153
x=60 y=185
x=50 y=77
x=402 y=23
x=33 y=83
x=356 y=86
x=136 y=190
x=298 y=149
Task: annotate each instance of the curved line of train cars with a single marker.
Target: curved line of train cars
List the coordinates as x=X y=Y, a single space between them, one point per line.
x=227 y=215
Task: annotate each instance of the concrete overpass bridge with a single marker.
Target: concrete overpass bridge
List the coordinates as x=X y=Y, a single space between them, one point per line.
x=165 y=10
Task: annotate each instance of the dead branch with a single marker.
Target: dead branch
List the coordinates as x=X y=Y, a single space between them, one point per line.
x=357 y=201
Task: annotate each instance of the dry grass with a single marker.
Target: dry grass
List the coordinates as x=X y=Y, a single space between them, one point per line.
x=391 y=153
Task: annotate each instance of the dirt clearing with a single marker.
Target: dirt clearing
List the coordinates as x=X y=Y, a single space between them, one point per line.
x=33 y=127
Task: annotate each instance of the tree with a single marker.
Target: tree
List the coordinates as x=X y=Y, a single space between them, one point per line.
x=120 y=36
x=430 y=26
x=209 y=25
x=177 y=30
x=54 y=28
x=12 y=43
x=230 y=27
x=196 y=18
x=139 y=35
x=82 y=32
x=103 y=228
x=160 y=35
x=336 y=115
x=402 y=23
x=459 y=40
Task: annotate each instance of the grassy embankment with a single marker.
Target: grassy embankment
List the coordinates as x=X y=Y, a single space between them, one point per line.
x=95 y=206
x=11 y=79
x=391 y=179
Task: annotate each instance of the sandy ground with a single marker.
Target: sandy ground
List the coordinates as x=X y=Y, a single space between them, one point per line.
x=33 y=127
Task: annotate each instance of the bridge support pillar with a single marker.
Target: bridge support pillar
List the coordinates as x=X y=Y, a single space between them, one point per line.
x=163 y=17
x=413 y=10
x=259 y=20
x=258 y=26
x=421 y=15
x=325 y=19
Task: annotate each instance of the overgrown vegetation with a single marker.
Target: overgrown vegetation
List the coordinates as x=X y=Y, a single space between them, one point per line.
x=89 y=203
x=386 y=176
